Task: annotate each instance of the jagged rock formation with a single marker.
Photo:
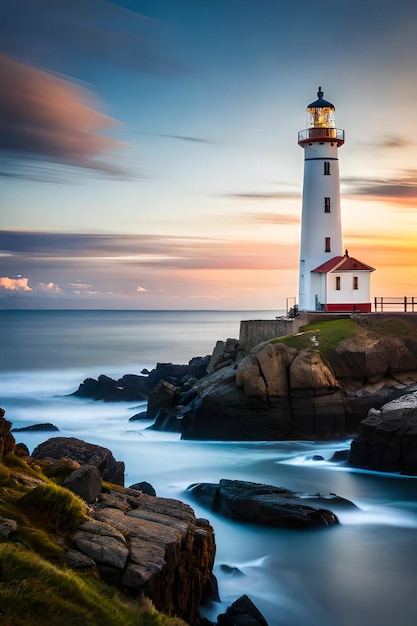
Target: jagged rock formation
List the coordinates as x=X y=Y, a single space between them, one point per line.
x=148 y=545
x=7 y=441
x=387 y=439
x=267 y=505
x=140 y=543
x=277 y=391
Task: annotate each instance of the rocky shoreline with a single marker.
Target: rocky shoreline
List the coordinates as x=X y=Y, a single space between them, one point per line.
x=288 y=388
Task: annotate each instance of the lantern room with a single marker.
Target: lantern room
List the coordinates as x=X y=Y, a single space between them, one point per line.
x=321 y=124
x=320 y=113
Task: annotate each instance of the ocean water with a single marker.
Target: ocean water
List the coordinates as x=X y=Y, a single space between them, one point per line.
x=360 y=573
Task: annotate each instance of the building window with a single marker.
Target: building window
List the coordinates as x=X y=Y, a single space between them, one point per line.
x=355 y=282
x=327 y=168
x=327 y=244
x=337 y=283
x=327 y=205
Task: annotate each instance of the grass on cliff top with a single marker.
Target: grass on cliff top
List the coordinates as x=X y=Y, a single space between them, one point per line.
x=37 y=587
x=324 y=336
x=36 y=592
x=394 y=326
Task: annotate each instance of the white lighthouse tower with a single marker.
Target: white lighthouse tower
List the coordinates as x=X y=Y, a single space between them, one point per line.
x=330 y=280
x=321 y=225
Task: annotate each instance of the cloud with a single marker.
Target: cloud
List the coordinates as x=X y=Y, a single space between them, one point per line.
x=283 y=219
x=267 y=195
x=14 y=284
x=49 y=118
x=80 y=250
x=59 y=34
x=139 y=289
x=50 y=287
x=399 y=190
x=182 y=137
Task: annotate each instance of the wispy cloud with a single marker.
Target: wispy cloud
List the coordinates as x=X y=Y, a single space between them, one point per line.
x=48 y=118
x=146 y=251
x=58 y=34
x=399 y=190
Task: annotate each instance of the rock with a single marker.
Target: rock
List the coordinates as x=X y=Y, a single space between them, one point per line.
x=387 y=439
x=102 y=543
x=144 y=487
x=242 y=613
x=197 y=366
x=139 y=417
x=36 y=428
x=7 y=441
x=151 y=546
x=21 y=449
x=129 y=388
x=167 y=372
x=85 y=482
x=339 y=456
x=162 y=396
x=78 y=560
x=267 y=505
x=85 y=454
x=224 y=353
x=7 y=526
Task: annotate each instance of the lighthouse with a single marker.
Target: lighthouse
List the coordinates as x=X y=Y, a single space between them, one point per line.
x=330 y=279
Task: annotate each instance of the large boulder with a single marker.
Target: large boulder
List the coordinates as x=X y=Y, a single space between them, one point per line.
x=387 y=439
x=85 y=454
x=267 y=505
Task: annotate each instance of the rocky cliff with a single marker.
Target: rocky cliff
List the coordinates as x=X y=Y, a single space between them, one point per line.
x=319 y=383
x=140 y=544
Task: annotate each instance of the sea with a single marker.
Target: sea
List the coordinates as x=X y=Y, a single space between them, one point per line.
x=362 y=572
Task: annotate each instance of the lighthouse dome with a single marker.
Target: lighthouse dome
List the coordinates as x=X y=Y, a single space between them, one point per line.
x=320 y=103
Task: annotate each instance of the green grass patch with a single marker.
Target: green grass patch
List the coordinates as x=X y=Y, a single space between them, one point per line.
x=56 y=506
x=36 y=592
x=323 y=336
x=395 y=326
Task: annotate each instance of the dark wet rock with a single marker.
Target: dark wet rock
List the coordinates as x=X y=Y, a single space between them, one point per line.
x=339 y=456
x=230 y=570
x=85 y=482
x=387 y=439
x=163 y=396
x=36 y=428
x=242 y=612
x=129 y=388
x=143 y=416
x=317 y=457
x=144 y=487
x=267 y=505
x=85 y=454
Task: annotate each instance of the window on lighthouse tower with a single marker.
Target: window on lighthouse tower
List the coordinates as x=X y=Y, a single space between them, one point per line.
x=327 y=244
x=327 y=205
x=327 y=168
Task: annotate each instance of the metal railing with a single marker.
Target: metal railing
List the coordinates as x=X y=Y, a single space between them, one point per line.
x=396 y=303
x=321 y=133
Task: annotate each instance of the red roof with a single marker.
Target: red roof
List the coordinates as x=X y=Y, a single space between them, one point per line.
x=343 y=264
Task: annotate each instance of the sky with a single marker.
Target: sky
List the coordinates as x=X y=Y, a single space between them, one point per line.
x=149 y=156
